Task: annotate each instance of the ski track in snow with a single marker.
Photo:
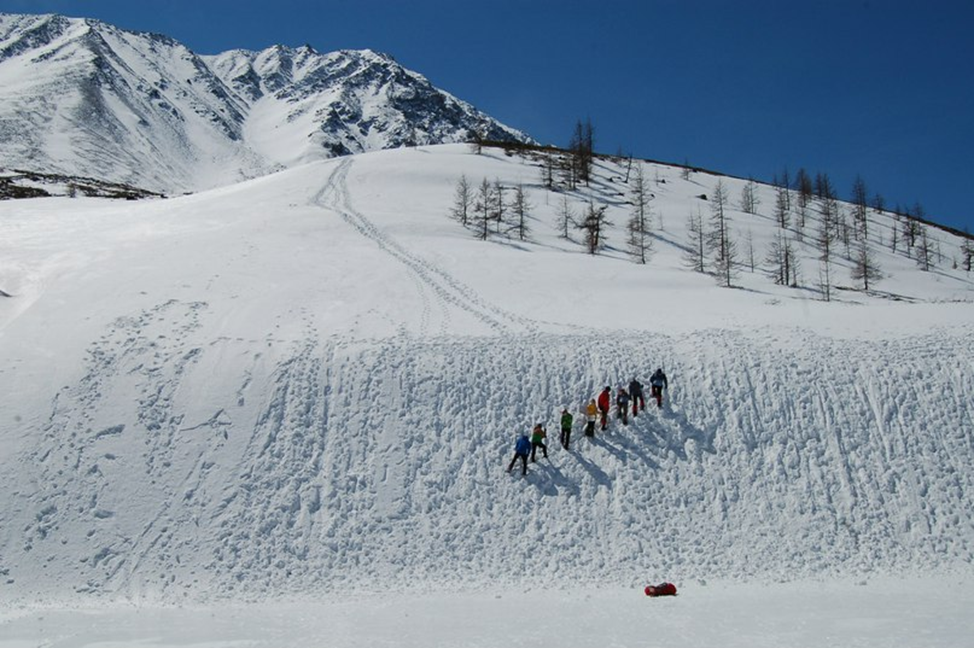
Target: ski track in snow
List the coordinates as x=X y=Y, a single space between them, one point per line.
x=447 y=292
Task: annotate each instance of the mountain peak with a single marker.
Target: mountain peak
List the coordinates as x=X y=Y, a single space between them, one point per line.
x=143 y=109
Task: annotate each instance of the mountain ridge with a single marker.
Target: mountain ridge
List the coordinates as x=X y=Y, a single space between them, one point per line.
x=142 y=109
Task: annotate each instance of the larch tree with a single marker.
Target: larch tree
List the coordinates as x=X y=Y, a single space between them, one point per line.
x=924 y=250
x=749 y=250
x=803 y=185
x=722 y=246
x=860 y=208
x=782 y=207
x=639 y=226
x=594 y=225
x=749 y=197
x=695 y=255
x=548 y=165
x=967 y=251
x=483 y=207
x=784 y=182
x=910 y=231
x=565 y=218
x=879 y=204
x=520 y=209
x=782 y=260
x=826 y=242
x=462 y=201
x=582 y=148
x=864 y=267
x=499 y=207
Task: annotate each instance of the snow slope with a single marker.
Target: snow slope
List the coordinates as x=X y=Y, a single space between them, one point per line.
x=312 y=382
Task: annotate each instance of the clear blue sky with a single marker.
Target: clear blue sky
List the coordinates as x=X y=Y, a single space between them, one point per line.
x=880 y=88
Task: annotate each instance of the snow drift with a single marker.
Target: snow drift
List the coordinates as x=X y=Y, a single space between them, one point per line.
x=313 y=381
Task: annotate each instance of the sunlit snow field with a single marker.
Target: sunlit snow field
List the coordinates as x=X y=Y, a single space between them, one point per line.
x=929 y=612
x=279 y=413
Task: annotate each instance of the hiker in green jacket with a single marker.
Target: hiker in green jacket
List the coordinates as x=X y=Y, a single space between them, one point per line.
x=566 y=427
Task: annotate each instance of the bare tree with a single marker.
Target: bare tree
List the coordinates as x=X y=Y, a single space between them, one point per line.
x=895 y=231
x=910 y=231
x=695 y=256
x=834 y=227
x=823 y=187
x=843 y=229
x=749 y=197
x=594 y=225
x=879 y=204
x=566 y=218
x=582 y=148
x=924 y=250
x=483 y=206
x=628 y=159
x=722 y=247
x=521 y=209
x=548 y=166
x=803 y=184
x=782 y=206
x=783 y=260
x=860 y=208
x=569 y=169
x=826 y=241
x=462 y=201
x=784 y=182
x=639 y=227
x=499 y=208
x=967 y=251
x=864 y=267
x=477 y=141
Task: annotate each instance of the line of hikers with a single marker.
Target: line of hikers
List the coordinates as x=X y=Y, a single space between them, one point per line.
x=597 y=409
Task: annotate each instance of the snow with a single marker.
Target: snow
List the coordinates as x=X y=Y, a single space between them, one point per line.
x=805 y=615
x=282 y=409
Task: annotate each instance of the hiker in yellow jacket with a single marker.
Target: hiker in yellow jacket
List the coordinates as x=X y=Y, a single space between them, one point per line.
x=591 y=411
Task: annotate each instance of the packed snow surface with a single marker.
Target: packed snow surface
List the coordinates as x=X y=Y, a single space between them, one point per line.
x=309 y=385
x=791 y=615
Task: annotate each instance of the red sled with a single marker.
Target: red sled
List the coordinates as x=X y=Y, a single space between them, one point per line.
x=663 y=589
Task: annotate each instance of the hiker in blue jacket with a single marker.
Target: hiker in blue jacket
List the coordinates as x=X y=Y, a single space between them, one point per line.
x=636 y=394
x=522 y=448
x=658 y=383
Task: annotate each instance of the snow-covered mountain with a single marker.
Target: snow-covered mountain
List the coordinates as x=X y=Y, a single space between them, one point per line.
x=82 y=97
x=312 y=381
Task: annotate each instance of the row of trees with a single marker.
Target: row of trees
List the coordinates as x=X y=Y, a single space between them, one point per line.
x=486 y=211
x=807 y=210
x=491 y=208
x=843 y=231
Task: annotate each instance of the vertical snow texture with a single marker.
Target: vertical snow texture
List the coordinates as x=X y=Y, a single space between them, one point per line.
x=344 y=464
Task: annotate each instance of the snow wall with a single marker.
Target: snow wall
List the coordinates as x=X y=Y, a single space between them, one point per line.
x=178 y=465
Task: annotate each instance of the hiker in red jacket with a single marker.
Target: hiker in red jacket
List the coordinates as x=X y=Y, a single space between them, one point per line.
x=605 y=402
